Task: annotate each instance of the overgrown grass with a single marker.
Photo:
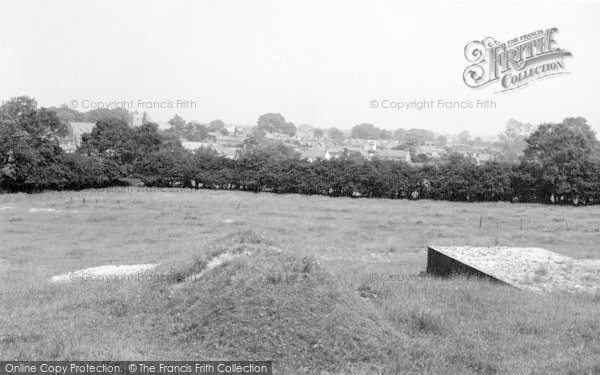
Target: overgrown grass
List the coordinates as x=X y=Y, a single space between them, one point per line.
x=308 y=289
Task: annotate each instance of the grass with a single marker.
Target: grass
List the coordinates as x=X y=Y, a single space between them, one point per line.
x=331 y=285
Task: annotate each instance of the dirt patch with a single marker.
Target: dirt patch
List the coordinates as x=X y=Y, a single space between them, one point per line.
x=36 y=210
x=213 y=263
x=104 y=272
x=529 y=268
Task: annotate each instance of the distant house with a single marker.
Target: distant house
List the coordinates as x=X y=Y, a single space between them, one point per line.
x=327 y=153
x=370 y=146
x=466 y=153
x=356 y=142
x=227 y=152
x=230 y=141
x=240 y=131
x=327 y=143
x=137 y=120
x=487 y=156
x=73 y=138
x=365 y=144
x=68 y=147
x=305 y=131
x=278 y=136
x=193 y=146
x=334 y=152
x=398 y=155
x=433 y=152
x=163 y=125
x=484 y=158
x=389 y=144
x=79 y=128
x=307 y=141
x=312 y=154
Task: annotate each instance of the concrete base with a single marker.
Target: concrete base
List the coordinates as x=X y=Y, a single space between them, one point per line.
x=525 y=268
x=441 y=264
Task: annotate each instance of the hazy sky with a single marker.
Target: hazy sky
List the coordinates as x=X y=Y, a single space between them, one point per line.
x=316 y=62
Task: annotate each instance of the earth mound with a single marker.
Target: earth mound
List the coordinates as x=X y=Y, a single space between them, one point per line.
x=268 y=304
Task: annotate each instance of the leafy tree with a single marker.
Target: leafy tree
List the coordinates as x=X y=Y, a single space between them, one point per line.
x=305 y=128
x=419 y=136
x=83 y=171
x=177 y=124
x=571 y=140
x=318 y=133
x=441 y=141
x=146 y=118
x=513 y=139
x=170 y=142
x=288 y=128
x=159 y=167
x=29 y=143
x=65 y=113
x=515 y=131
x=464 y=137
x=419 y=158
x=128 y=147
x=111 y=139
x=275 y=123
x=217 y=126
x=369 y=131
x=105 y=114
x=147 y=139
x=562 y=157
x=271 y=122
x=195 y=132
x=191 y=131
x=255 y=138
x=17 y=107
x=335 y=134
x=400 y=135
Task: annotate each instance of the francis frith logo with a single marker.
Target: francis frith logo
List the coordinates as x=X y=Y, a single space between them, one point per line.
x=515 y=63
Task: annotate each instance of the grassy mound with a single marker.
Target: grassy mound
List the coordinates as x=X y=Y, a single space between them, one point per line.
x=272 y=305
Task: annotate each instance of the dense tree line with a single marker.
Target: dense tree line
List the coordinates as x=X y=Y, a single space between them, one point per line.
x=63 y=112
x=194 y=131
x=561 y=163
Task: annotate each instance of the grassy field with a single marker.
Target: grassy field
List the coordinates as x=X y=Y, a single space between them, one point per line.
x=315 y=294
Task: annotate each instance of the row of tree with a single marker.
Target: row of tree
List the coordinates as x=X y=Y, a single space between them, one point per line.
x=65 y=113
x=561 y=163
x=194 y=131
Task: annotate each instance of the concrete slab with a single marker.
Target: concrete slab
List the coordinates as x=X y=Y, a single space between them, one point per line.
x=527 y=268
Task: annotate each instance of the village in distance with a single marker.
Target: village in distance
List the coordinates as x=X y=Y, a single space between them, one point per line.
x=413 y=146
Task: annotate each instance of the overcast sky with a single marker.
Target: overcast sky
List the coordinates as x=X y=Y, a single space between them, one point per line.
x=315 y=62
